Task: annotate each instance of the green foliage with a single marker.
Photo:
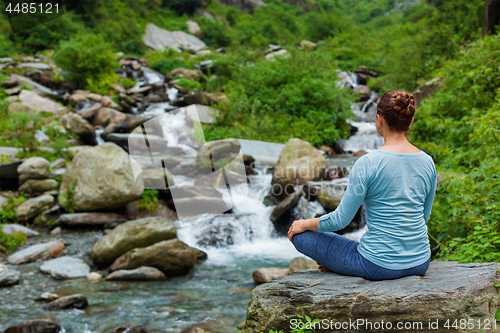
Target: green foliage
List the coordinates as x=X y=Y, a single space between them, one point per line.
x=7 y=48
x=183 y=6
x=285 y=98
x=89 y=61
x=9 y=243
x=70 y=196
x=149 y=200
x=190 y=84
x=165 y=61
x=7 y=213
x=18 y=130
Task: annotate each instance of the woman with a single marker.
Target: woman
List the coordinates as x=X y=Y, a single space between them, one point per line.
x=396 y=184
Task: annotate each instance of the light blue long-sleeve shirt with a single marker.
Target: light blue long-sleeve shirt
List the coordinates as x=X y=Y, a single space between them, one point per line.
x=397 y=191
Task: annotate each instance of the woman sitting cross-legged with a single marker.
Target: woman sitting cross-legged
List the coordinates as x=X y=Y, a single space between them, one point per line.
x=396 y=184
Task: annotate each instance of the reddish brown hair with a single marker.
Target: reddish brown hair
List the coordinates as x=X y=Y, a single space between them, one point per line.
x=397 y=107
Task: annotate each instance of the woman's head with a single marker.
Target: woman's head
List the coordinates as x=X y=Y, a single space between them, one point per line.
x=397 y=108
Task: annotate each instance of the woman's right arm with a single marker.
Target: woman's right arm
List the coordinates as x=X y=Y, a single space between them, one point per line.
x=429 y=199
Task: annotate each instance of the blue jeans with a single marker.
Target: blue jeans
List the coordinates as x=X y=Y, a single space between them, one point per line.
x=340 y=255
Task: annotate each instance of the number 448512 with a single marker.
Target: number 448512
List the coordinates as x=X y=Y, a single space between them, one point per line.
x=32 y=8
x=470 y=324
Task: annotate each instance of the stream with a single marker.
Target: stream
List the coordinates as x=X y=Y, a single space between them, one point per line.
x=216 y=288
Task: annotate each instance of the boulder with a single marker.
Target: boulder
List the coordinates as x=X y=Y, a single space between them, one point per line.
x=18 y=107
x=360 y=153
x=58 y=164
x=157 y=178
x=448 y=291
x=330 y=198
x=172 y=257
x=264 y=275
x=32 y=207
x=305 y=44
x=34 y=174
x=14 y=228
x=91 y=219
x=94 y=276
x=285 y=205
x=362 y=92
x=160 y=39
x=46 y=297
x=35 y=326
x=426 y=90
x=301 y=263
x=39 y=185
x=9 y=277
x=88 y=113
x=140 y=274
x=38 y=251
x=76 y=124
x=37 y=88
x=190 y=74
x=246 y=5
x=99 y=177
x=65 y=268
x=131 y=235
x=33 y=163
x=133 y=142
x=300 y=162
x=32 y=100
x=105 y=116
x=77 y=301
x=194 y=28
x=201 y=113
x=272 y=55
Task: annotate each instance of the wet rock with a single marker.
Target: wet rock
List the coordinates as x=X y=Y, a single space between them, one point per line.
x=46 y=297
x=330 y=198
x=105 y=116
x=90 y=219
x=32 y=207
x=221 y=324
x=89 y=113
x=131 y=235
x=93 y=276
x=335 y=172
x=57 y=173
x=35 y=326
x=157 y=178
x=37 y=251
x=9 y=277
x=134 y=212
x=200 y=255
x=264 y=275
x=33 y=163
x=133 y=141
x=284 y=206
x=305 y=44
x=199 y=205
x=65 y=268
x=143 y=273
x=56 y=231
x=58 y=164
x=77 y=301
x=194 y=28
x=461 y=289
x=190 y=74
x=159 y=39
x=76 y=124
x=300 y=162
x=360 y=153
x=99 y=177
x=14 y=228
x=172 y=257
x=201 y=98
x=33 y=174
x=35 y=65
x=39 y=185
x=300 y=263
x=41 y=104
x=135 y=329
x=363 y=92
x=37 y=88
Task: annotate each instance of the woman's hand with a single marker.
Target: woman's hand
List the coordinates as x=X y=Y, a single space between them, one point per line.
x=299 y=226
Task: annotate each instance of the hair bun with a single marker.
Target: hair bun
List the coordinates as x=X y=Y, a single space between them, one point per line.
x=403 y=102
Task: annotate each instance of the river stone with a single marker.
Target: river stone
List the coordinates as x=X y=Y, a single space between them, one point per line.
x=9 y=277
x=77 y=301
x=264 y=275
x=155 y=178
x=300 y=162
x=159 y=39
x=194 y=28
x=99 y=177
x=39 y=185
x=201 y=113
x=33 y=163
x=448 y=291
x=76 y=124
x=362 y=92
x=172 y=257
x=58 y=164
x=33 y=207
x=32 y=100
x=65 y=268
x=90 y=219
x=13 y=228
x=190 y=74
x=329 y=198
x=37 y=251
x=34 y=174
x=35 y=326
x=300 y=263
x=284 y=206
x=134 y=143
x=143 y=273
x=37 y=87
x=131 y=235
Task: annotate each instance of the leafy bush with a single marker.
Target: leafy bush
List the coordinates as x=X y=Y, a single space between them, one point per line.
x=88 y=61
x=183 y=6
x=7 y=213
x=149 y=200
x=189 y=84
x=9 y=243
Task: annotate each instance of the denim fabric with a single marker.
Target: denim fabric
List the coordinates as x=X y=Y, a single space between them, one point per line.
x=341 y=256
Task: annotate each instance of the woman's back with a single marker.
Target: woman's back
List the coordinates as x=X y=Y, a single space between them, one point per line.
x=399 y=193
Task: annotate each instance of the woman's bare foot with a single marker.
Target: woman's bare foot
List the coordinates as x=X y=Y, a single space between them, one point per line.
x=323 y=268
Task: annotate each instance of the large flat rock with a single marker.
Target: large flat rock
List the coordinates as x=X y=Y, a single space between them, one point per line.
x=448 y=291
